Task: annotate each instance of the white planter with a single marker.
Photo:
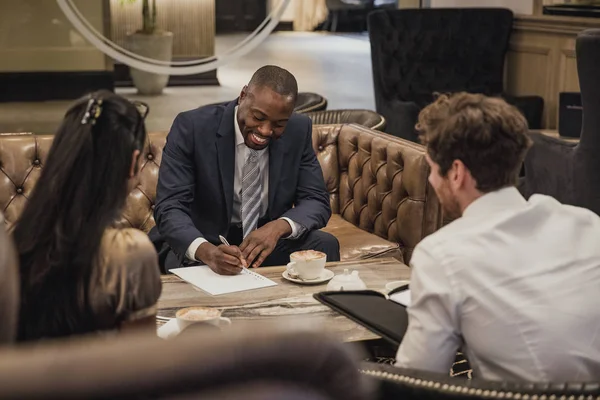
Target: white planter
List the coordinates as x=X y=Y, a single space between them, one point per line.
x=158 y=46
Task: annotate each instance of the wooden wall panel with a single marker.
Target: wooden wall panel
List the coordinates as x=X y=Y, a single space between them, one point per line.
x=541 y=59
x=191 y=21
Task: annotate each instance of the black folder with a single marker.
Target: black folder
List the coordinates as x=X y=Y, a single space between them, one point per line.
x=371 y=309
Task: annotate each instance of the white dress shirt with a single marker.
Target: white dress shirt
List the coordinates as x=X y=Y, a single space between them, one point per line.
x=241 y=155
x=515 y=283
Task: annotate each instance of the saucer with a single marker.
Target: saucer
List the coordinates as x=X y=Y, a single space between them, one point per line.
x=326 y=275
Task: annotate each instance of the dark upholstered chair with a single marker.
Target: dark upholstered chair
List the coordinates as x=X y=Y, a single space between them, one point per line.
x=366 y=118
x=9 y=287
x=570 y=172
x=417 y=52
x=400 y=383
x=308 y=101
x=235 y=364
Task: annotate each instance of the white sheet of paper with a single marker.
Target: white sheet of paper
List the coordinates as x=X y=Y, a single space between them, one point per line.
x=205 y=279
x=402 y=297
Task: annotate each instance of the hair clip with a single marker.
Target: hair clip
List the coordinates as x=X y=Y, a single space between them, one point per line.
x=92 y=112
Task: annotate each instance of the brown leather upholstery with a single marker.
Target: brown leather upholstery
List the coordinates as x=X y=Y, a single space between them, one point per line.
x=9 y=287
x=199 y=364
x=366 y=118
x=307 y=101
x=377 y=183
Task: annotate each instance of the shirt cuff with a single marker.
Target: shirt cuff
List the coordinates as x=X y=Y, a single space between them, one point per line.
x=297 y=229
x=191 y=251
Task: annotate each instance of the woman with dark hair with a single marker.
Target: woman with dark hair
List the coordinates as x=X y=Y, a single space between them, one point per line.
x=80 y=274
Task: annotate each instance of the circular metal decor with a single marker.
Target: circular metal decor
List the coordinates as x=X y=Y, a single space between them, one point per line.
x=189 y=67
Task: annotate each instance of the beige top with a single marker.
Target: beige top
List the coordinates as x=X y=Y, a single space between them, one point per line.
x=126 y=285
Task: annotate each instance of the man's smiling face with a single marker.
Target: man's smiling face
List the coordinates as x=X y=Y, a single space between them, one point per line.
x=262 y=115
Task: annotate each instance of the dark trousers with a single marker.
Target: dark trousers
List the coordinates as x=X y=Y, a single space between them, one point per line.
x=312 y=240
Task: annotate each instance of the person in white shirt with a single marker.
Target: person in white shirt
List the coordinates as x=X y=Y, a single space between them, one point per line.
x=511 y=282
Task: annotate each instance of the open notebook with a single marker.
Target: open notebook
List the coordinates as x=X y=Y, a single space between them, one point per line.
x=205 y=279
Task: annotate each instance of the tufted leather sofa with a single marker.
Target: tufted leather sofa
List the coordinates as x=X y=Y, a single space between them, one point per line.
x=381 y=200
x=367 y=118
x=9 y=287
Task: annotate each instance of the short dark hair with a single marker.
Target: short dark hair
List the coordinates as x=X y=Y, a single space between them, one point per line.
x=487 y=134
x=279 y=80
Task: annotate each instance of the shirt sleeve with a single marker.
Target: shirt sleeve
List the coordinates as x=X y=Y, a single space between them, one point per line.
x=433 y=335
x=297 y=229
x=191 y=251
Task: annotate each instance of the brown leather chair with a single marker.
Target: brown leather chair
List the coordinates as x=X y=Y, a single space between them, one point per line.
x=382 y=202
x=234 y=364
x=308 y=101
x=9 y=287
x=367 y=118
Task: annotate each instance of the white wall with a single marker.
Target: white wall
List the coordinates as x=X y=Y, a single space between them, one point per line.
x=517 y=6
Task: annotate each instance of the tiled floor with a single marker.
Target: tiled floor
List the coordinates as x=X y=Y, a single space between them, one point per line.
x=336 y=66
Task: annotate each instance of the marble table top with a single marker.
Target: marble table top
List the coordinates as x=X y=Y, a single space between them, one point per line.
x=287 y=299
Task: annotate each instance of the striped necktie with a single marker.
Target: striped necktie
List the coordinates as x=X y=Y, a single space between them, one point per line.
x=251 y=193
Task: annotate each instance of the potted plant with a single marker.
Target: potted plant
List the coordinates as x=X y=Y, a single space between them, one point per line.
x=153 y=43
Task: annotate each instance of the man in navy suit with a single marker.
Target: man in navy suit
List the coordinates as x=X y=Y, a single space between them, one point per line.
x=245 y=170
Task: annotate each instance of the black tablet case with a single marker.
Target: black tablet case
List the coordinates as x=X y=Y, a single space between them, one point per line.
x=370 y=309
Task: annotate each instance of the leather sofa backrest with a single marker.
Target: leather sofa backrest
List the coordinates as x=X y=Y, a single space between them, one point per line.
x=376 y=181
x=381 y=182
x=9 y=287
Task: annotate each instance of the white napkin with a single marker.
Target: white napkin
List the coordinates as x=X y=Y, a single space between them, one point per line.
x=169 y=330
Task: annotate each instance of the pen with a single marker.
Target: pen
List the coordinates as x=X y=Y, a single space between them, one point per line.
x=226 y=243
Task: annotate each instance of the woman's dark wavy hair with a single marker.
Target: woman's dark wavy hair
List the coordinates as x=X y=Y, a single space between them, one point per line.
x=80 y=193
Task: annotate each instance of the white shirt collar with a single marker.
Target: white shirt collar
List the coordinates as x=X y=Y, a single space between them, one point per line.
x=498 y=200
x=239 y=139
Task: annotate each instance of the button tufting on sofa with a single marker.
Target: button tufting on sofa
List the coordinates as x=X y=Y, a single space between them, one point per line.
x=379 y=193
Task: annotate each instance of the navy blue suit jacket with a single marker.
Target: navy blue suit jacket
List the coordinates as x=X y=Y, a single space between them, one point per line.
x=195 y=183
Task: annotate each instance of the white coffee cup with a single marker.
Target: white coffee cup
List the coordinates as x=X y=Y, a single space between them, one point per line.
x=200 y=315
x=307 y=264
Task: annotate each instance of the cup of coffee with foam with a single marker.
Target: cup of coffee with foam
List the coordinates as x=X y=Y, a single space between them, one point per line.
x=307 y=264
x=200 y=315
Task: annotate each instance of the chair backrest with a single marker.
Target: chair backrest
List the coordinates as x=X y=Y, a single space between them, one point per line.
x=567 y=171
x=400 y=383
x=9 y=287
x=208 y=365
x=416 y=52
x=588 y=59
x=308 y=101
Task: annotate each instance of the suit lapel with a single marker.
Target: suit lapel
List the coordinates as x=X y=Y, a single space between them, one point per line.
x=276 y=155
x=226 y=155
